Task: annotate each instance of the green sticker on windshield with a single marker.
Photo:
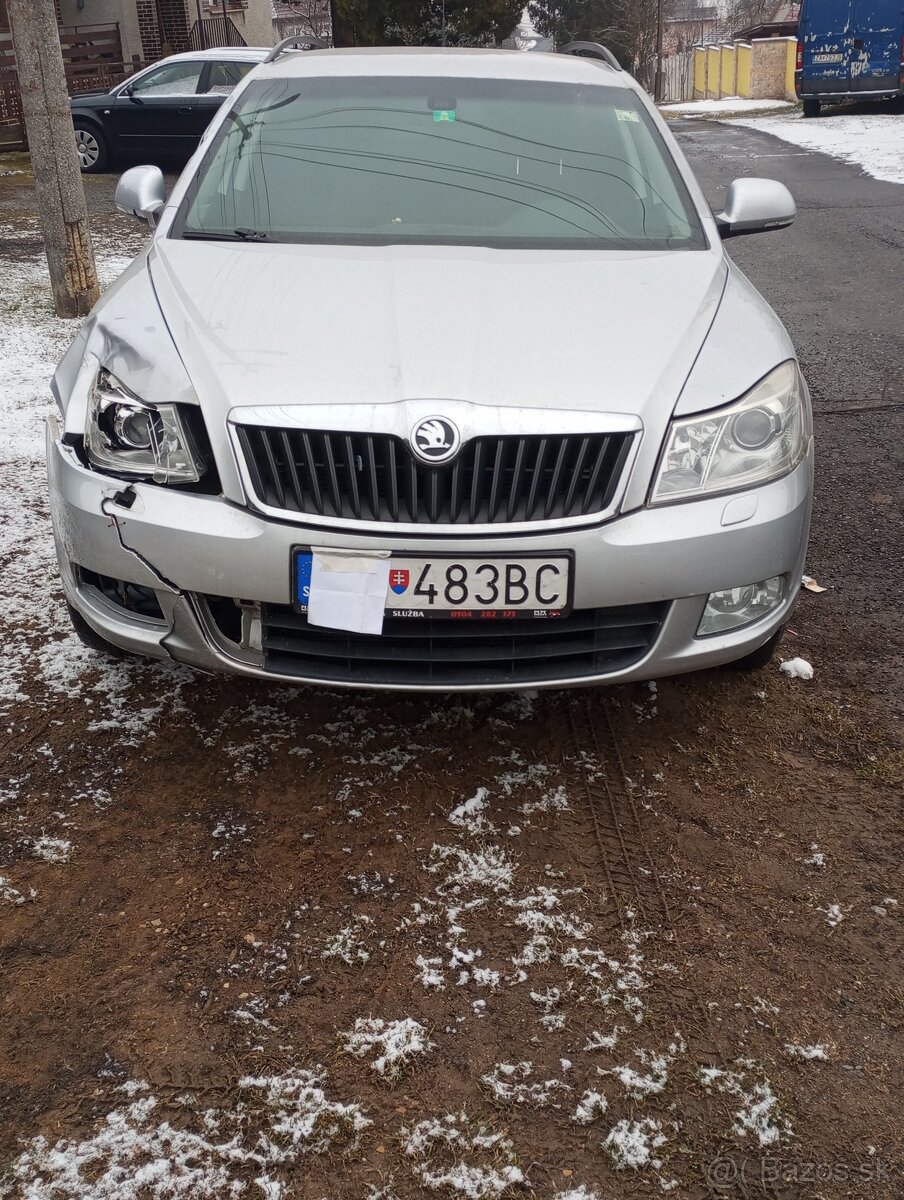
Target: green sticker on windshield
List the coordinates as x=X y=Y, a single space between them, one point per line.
x=627 y=114
x=444 y=114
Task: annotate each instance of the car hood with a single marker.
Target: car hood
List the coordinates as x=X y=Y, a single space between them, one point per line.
x=86 y=99
x=294 y=324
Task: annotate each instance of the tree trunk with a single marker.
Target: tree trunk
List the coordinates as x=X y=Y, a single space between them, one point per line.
x=61 y=194
x=343 y=30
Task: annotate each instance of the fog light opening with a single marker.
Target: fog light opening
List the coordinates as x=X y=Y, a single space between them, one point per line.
x=733 y=608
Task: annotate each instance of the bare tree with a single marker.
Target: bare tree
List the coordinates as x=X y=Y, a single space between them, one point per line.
x=742 y=14
x=307 y=16
x=48 y=122
x=637 y=25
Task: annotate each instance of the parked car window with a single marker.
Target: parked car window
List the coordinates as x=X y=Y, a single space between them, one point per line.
x=172 y=79
x=463 y=160
x=224 y=76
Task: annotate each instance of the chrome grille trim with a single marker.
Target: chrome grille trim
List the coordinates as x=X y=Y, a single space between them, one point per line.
x=492 y=481
x=517 y=469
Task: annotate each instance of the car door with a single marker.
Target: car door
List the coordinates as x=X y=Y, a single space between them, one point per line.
x=220 y=77
x=875 y=48
x=824 y=35
x=155 y=112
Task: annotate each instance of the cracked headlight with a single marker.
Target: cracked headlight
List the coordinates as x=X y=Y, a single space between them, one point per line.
x=129 y=437
x=758 y=438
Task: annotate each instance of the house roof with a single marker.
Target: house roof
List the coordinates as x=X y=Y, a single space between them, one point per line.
x=693 y=15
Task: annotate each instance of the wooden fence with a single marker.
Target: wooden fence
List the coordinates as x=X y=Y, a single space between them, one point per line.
x=92 y=57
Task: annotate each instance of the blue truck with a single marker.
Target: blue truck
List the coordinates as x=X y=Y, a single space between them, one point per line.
x=849 y=49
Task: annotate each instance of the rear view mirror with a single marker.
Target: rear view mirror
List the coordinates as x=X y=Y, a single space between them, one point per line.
x=754 y=206
x=141 y=193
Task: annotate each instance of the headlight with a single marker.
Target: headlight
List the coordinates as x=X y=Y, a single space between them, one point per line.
x=129 y=437
x=759 y=438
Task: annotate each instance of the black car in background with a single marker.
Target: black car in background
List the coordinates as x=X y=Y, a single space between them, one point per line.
x=162 y=110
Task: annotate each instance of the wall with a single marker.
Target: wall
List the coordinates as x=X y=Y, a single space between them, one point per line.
x=727 y=70
x=770 y=78
x=678 y=36
x=699 y=73
x=742 y=69
x=791 y=63
x=713 y=71
x=176 y=24
x=254 y=22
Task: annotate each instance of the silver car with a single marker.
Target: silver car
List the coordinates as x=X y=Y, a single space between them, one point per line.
x=435 y=375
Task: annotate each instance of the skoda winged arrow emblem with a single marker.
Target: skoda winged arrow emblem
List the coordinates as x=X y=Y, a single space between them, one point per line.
x=435 y=440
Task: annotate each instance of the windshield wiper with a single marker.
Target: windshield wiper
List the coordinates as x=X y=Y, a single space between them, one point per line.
x=225 y=235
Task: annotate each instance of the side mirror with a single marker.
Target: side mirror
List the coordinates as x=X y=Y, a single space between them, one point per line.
x=754 y=206
x=141 y=193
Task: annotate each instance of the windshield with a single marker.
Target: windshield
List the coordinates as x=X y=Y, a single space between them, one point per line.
x=396 y=159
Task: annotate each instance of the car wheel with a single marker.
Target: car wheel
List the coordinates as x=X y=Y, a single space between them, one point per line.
x=759 y=658
x=88 y=637
x=812 y=108
x=91 y=147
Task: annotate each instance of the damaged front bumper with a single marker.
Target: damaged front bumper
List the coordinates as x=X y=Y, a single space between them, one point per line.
x=216 y=569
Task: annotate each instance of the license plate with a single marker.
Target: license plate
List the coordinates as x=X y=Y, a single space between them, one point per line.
x=465 y=586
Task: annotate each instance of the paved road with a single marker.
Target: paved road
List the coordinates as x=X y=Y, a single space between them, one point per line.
x=836 y=280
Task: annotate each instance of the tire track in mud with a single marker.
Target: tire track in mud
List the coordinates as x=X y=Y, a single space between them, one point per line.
x=629 y=866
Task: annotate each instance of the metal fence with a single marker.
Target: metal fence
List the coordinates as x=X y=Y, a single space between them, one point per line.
x=678 y=77
x=214 y=31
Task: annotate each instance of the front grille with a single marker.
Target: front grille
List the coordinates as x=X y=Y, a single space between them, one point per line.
x=374 y=477
x=457 y=653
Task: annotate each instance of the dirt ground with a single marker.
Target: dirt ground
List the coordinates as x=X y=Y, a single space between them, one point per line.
x=275 y=942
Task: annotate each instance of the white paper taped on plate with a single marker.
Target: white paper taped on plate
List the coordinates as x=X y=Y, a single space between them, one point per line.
x=348 y=589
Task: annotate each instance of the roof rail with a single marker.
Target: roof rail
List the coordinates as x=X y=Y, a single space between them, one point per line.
x=592 y=50
x=297 y=41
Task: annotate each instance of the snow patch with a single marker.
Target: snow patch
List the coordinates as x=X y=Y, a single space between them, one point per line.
x=873 y=142
x=817 y=857
x=590 y=1106
x=834 y=914
x=12 y=895
x=137 y=1151
x=470 y=1160
x=819 y=1050
x=398 y=1041
x=52 y=850
x=348 y=944
x=631 y=1144
x=430 y=974
x=759 y=1114
x=796 y=668
x=470 y=814
x=489 y=867
x=638 y=1085
x=507 y=1082
x=729 y=104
